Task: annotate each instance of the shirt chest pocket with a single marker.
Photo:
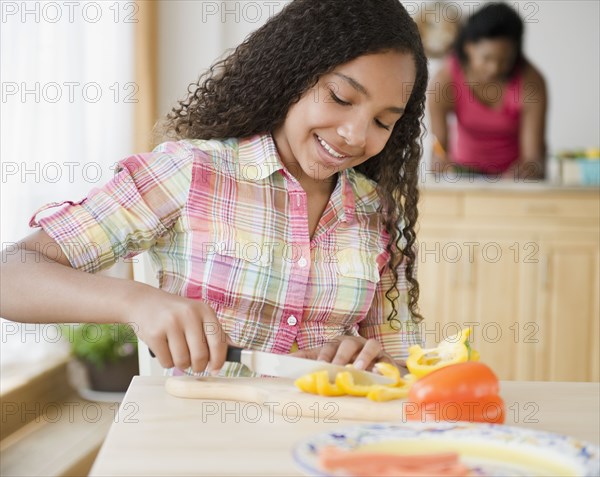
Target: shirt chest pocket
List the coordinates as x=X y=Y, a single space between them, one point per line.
x=354 y=263
x=238 y=268
x=357 y=278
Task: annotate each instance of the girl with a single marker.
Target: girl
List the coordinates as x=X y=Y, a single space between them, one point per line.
x=498 y=97
x=279 y=209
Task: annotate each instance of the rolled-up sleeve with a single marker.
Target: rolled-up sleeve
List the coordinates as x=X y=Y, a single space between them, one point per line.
x=125 y=216
x=396 y=335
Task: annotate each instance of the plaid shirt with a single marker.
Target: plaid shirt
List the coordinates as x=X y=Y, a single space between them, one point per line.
x=226 y=223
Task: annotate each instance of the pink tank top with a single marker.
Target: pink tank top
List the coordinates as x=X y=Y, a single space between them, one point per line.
x=485 y=138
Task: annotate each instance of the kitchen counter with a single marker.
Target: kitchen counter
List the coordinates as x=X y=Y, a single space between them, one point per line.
x=466 y=181
x=158 y=434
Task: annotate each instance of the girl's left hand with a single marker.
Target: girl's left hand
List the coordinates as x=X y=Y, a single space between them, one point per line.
x=361 y=352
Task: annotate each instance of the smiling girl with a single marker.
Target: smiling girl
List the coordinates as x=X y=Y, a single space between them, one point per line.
x=279 y=206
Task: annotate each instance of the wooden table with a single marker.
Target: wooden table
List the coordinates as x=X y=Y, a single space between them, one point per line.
x=158 y=434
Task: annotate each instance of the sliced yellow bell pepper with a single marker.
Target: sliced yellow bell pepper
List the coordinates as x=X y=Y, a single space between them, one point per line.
x=454 y=349
x=420 y=362
x=318 y=383
x=397 y=390
x=393 y=391
x=390 y=371
x=307 y=383
x=386 y=393
x=324 y=387
x=345 y=382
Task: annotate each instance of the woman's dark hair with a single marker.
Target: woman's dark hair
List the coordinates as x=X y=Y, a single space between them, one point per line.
x=494 y=20
x=250 y=91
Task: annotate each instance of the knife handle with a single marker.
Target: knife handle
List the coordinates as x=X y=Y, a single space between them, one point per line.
x=234 y=355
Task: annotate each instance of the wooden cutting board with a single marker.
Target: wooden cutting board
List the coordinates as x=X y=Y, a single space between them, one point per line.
x=283 y=397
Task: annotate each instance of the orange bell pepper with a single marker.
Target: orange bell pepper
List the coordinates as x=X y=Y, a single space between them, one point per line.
x=461 y=392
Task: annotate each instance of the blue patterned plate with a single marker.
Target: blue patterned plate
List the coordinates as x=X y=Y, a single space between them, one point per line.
x=487 y=449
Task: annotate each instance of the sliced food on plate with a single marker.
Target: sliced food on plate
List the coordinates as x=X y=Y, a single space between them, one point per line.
x=442 y=449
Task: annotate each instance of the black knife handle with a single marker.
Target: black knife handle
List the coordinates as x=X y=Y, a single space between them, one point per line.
x=234 y=355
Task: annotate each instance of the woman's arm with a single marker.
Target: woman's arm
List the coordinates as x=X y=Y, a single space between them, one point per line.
x=440 y=104
x=532 y=132
x=40 y=288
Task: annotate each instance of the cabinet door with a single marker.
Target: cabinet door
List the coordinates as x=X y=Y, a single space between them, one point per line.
x=534 y=309
x=487 y=284
x=500 y=277
x=445 y=297
x=568 y=306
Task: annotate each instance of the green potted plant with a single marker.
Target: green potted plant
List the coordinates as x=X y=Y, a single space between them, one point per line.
x=108 y=352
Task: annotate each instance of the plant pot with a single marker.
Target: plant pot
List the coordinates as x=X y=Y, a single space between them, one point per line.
x=113 y=377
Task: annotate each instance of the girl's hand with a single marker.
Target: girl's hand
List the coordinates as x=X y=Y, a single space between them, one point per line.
x=181 y=332
x=361 y=352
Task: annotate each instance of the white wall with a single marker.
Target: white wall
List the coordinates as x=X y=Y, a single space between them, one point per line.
x=565 y=44
x=194 y=33
x=561 y=38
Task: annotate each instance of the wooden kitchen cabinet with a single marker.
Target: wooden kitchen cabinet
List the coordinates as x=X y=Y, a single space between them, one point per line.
x=522 y=268
x=567 y=303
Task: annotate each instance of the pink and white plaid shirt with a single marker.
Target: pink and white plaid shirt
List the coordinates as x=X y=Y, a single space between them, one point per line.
x=226 y=223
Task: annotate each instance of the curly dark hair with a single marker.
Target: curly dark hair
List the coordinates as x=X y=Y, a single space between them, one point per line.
x=250 y=91
x=494 y=20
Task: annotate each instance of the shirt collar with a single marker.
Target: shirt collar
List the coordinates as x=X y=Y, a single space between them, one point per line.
x=258 y=159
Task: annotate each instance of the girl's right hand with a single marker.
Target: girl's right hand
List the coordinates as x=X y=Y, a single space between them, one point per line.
x=181 y=332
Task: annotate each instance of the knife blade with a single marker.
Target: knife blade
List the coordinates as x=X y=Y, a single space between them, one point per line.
x=285 y=366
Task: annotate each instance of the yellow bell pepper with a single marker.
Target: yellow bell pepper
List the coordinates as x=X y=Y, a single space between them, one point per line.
x=473 y=354
x=386 y=393
x=318 y=383
x=345 y=382
x=393 y=391
x=396 y=390
x=307 y=383
x=454 y=349
x=324 y=387
x=390 y=371
x=420 y=362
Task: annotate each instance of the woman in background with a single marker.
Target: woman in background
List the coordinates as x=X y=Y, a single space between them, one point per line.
x=498 y=97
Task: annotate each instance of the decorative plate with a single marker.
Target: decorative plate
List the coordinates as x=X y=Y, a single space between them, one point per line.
x=487 y=449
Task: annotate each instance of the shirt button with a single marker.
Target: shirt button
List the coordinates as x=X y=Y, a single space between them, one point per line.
x=302 y=262
x=292 y=320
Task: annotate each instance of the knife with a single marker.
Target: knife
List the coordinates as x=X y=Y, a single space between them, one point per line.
x=285 y=366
